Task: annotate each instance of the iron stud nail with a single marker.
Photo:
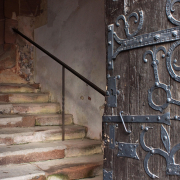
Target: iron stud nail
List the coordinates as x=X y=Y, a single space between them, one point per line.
x=146 y=128
x=116 y=125
x=116 y=143
x=175 y=61
x=109 y=118
x=118 y=77
x=145 y=60
x=118 y=92
x=156 y=84
x=154 y=62
x=168 y=100
x=176 y=117
x=140 y=40
x=147 y=118
x=174 y=33
x=168 y=54
x=158 y=118
x=107 y=93
x=109 y=42
x=165 y=138
x=109 y=62
x=152 y=151
x=132 y=119
x=156 y=37
x=163 y=56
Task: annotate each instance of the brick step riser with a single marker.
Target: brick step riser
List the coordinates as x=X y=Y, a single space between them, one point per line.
x=33 y=109
x=24 y=98
x=31 y=121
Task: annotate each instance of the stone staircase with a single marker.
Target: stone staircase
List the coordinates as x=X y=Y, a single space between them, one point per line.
x=30 y=139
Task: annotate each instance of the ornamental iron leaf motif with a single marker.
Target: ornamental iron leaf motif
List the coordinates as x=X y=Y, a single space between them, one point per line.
x=172 y=167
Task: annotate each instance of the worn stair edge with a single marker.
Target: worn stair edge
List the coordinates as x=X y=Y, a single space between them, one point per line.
x=11 y=88
x=24 y=97
x=34 y=120
x=16 y=135
x=33 y=152
x=74 y=167
x=29 y=108
x=20 y=172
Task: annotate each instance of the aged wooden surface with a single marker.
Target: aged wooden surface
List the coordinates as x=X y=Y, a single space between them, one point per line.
x=137 y=78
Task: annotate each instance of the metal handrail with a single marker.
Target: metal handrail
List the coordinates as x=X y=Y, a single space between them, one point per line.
x=62 y=63
x=64 y=66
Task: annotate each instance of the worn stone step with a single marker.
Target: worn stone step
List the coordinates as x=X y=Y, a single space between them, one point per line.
x=41 y=151
x=53 y=119
x=66 y=169
x=10 y=88
x=18 y=135
x=31 y=120
x=29 y=108
x=21 y=172
x=73 y=168
x=24 y=97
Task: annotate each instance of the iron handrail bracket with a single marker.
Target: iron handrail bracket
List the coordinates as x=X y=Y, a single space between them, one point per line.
x=62 y=63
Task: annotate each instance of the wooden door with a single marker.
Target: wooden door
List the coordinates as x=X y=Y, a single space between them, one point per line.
x=143 y=81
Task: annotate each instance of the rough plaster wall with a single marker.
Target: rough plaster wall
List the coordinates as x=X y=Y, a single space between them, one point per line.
x=75 y=34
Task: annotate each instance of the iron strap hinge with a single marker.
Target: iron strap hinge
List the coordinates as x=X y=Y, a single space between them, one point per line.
x=163 y=119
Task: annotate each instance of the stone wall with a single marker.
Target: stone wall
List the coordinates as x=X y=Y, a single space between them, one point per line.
x=75 y=33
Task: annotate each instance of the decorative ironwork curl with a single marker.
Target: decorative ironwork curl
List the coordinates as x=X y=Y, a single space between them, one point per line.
x=126 y=23
x=169 y=9
x=126 y=28
x=168 y=62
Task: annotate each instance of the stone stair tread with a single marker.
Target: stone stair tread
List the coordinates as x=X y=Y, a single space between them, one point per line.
x=29 y=108
x=31 y=130
x=30 y=120
x=17 y=135
x=74 y=167
x=41 y=146
x=24 y=93
x=20 y=172
x=24 y=97
x=38 y=151
x=13 y=87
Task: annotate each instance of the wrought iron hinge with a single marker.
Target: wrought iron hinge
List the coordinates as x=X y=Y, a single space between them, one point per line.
x=163 y=119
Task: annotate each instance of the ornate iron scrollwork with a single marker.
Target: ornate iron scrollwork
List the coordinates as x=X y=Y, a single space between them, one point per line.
x=172 y=167
x=157 y=84
x=169 y=9
x=141 y=19
x=168 y=62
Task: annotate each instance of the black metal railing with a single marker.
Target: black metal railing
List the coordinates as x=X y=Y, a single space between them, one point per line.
x=64 y=66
